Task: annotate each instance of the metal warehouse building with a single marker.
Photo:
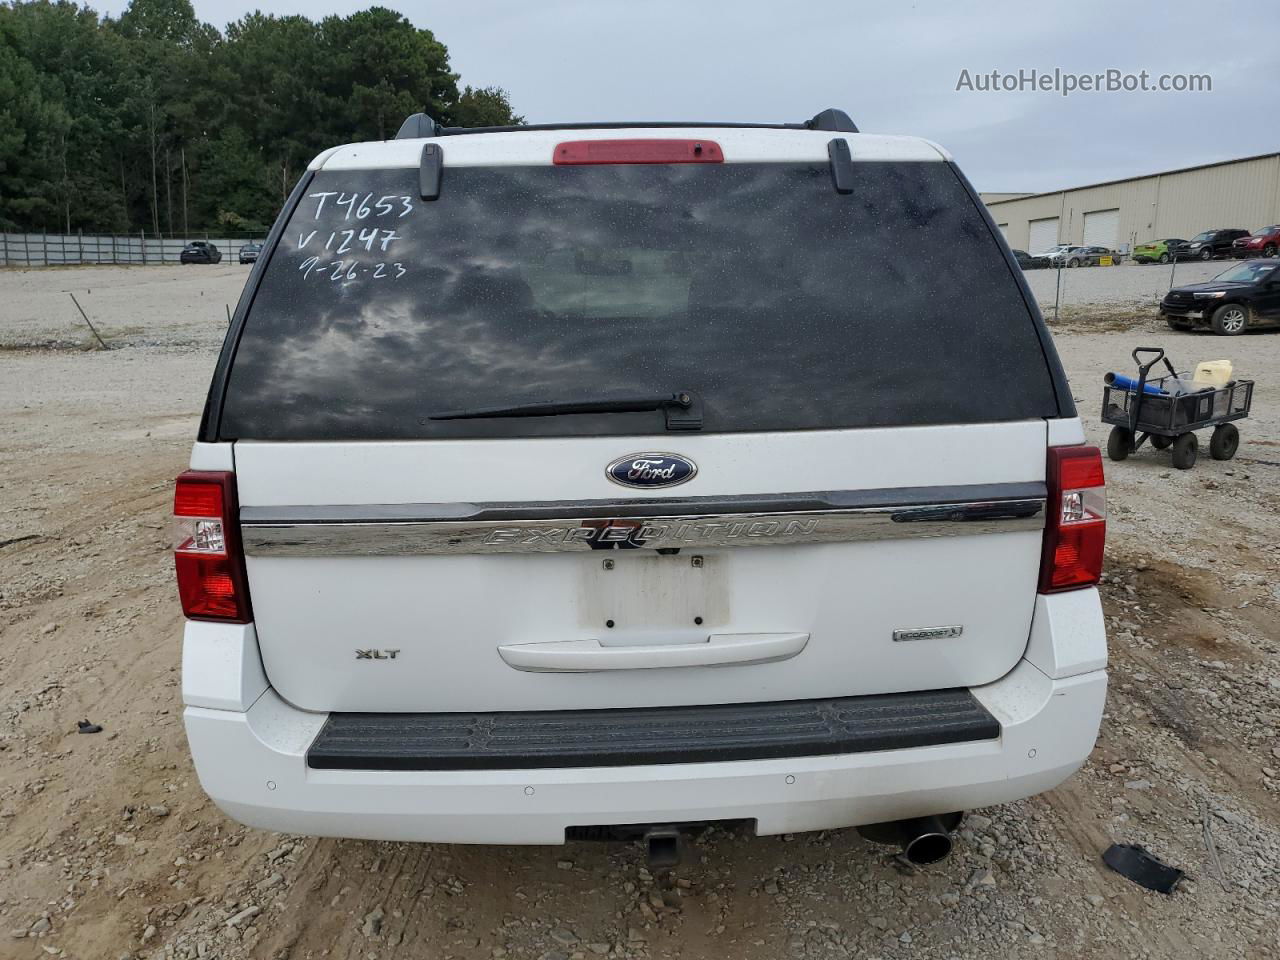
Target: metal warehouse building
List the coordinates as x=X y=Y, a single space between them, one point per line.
x=1120 y=213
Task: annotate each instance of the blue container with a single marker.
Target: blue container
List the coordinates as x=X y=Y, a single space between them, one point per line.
x=1129 y=383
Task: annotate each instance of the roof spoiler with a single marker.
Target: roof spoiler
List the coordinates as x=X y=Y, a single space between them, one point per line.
x=420 y=125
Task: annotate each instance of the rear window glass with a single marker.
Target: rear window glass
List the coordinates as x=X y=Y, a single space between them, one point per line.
x=782 y=304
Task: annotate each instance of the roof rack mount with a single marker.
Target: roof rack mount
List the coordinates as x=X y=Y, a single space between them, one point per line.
x=420 y=125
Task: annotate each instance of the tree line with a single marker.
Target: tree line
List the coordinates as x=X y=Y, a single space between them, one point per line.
x=155 y=121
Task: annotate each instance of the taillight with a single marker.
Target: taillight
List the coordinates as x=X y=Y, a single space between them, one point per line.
x=1076 y=527
x=209 y=561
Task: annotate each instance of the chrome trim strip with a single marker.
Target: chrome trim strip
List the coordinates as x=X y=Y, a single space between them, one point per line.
x=645 y=507
x=602 y=532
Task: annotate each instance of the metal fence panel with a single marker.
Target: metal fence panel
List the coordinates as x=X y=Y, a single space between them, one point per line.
x=73 y=249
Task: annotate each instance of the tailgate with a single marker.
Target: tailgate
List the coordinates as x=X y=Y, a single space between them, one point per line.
x=511 y=574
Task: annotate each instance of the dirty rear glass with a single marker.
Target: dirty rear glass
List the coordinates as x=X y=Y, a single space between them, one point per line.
x=782 y=304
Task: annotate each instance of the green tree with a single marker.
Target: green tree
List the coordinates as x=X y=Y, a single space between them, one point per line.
x=269 y=68
x=236 y=193
x=168 y=104
x=158 y=120
x=485 y=107
x=66 y=106
x=379 y=69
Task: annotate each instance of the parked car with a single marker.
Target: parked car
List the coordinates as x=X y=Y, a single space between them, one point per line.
x=1244 y=297
x=249 y=252
x=1095 y=256
x=1051 y=254
x=200 y=251
x=1212 y=243
x=1083 y=257
x=1028 y=262
x=1065 y=255
x=544 y=561
x=1261 y=243
x=1159 y=250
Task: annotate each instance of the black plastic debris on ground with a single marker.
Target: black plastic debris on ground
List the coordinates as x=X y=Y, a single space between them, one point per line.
x=1137 y=863
x=84 y=726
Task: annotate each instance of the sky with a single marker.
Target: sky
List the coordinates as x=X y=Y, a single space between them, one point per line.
x=893 y=66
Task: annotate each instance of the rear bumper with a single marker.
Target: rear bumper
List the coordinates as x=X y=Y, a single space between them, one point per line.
x=649 y=736
x=252 y=761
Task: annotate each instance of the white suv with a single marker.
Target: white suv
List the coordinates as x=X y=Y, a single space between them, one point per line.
x=601 y=480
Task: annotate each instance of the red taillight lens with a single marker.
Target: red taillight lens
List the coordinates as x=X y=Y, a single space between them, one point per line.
x=1076 y=527
x=576 y=152
x=193 y=498
x=208 y=558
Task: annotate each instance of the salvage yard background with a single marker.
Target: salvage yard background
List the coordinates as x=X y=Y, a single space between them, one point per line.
x=108 y=847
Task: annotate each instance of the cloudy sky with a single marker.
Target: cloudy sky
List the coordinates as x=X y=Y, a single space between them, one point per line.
x=893 y=66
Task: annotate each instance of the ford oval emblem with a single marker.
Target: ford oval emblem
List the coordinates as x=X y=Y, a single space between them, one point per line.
x=651 y=470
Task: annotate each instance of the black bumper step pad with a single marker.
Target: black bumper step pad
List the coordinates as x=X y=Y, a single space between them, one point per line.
x=630 y=737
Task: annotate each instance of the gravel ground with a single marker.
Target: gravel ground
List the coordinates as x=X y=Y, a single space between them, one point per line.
x=108 y=847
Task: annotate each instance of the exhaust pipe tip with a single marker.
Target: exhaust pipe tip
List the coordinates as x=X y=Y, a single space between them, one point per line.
x=923 y=840
x=926 y=848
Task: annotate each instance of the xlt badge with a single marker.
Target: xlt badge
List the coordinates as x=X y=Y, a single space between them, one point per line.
x=376 y=654
x=651 y=470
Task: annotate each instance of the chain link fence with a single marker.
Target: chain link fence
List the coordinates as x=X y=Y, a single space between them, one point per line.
x=75 y=249
x=1114 y=294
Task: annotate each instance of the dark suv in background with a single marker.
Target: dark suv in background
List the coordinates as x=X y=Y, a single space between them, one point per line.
x=200 y=251
x=1245 y=296
x=1028 y=261
x=1212 y=243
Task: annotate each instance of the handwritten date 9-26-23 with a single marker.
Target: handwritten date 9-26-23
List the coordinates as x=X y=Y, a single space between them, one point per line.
x=340 y=270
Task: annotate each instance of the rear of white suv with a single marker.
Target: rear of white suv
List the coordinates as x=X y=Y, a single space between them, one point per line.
x=564 y=481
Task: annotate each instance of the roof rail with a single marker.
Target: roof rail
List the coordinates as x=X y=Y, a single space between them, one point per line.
x=421 y=125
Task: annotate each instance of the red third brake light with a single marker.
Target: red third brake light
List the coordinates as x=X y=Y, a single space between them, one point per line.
x=1076 y=526
x=577 y=152
x=208 y=558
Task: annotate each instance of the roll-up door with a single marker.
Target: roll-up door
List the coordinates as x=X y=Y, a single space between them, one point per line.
x=1043 y=235
x=1102 y=228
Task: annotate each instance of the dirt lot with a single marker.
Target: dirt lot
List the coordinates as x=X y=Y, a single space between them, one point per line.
x=108 y=847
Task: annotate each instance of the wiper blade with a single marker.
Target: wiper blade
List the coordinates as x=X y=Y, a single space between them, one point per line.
x=683 y=409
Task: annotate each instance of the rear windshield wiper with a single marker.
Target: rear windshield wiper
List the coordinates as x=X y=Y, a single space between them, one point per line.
x=683 y=410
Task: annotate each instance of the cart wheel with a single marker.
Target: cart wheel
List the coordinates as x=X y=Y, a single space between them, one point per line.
x=1159 y=442
x=1119 y=443
x=1185 y=449
x=1224 y=442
